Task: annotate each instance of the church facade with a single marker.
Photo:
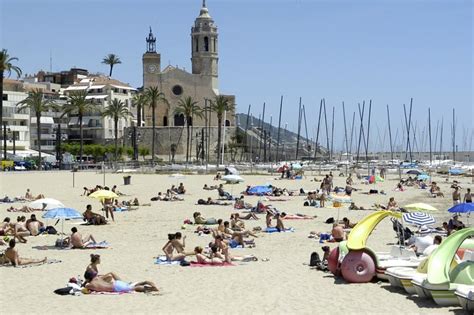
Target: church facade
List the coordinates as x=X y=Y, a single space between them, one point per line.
x=201 y=84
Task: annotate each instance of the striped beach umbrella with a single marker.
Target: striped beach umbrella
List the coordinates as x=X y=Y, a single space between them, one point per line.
x=418 y=218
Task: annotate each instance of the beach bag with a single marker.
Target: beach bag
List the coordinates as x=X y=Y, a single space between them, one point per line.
x=330 y=220
x=51 y=230
x=314 y=259
x=154 y=199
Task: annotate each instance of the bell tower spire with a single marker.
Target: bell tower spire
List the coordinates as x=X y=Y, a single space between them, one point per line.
x=204 y=49
x=150 y=42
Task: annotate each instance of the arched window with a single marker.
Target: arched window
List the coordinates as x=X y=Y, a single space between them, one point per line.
x=197 y=43
x=179 y=120
x=227 y=123
x=165 y=121
x=214 y=44
x=206 y=43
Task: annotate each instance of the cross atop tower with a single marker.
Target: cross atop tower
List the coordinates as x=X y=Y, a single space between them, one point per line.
x=203 y=3
x=150 y=42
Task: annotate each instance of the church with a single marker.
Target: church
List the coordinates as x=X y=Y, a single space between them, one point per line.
x=202 y=84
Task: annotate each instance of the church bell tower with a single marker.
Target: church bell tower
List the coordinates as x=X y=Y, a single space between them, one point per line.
x=204 y=55
x=151 y=62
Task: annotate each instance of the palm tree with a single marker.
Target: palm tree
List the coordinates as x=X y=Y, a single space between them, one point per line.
x=37 y=104
x=189 y=108
x=111 y=60
x=220 y=105
x=140 y=100
x=79 y=105
x=116 y=110
x=6 y=66
x=154 y=96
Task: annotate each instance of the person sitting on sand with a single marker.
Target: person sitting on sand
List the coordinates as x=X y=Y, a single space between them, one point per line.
x=181 y=190
x=392 y=204
x=92 y=271
x=179 y=243
x=169 y=249
x=238 y=236
x=399 y=187
x=203 y=259
x=92 y=217
x=12 y=255
x=6 y=228
x=218 y=176
x=34 y=226
x=29 y=195
x=115 y=190
x=279 y=222
x=77 y=241
x=199 y=219
x=337 y=233
x=354 y=207
x=223 y=194
x=220 y=249
x=347 y=224
x=20 y=230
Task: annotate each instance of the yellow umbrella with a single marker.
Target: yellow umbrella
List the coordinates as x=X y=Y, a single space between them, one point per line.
x=420 y=207
x=103 y=194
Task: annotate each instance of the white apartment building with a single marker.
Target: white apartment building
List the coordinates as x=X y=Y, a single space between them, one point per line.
x=18 y=123
x=101 y=90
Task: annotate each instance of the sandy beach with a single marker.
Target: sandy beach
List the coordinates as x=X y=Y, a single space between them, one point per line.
x=283 y=284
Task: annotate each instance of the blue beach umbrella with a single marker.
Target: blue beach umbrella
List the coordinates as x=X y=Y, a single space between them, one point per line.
x=62 y=213
x=462 y=208
x=418 y=218
x=423 y=177
x=414 y=172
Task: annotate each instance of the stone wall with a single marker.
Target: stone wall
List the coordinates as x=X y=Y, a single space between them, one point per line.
x=166 y=136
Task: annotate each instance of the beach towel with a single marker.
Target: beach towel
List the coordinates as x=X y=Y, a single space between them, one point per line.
x=100 y=245
x=259 y=190
x=162 y=260
x=273 y=230
x=196 y=264
x=296 y=217
x=277 y=199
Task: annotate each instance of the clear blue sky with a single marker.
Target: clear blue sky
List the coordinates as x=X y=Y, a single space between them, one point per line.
x=384 y=50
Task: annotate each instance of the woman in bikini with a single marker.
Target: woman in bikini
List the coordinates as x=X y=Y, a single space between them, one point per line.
x=169 y=249
x=211 y=259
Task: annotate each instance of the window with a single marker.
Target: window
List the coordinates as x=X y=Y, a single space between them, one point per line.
x=206 y=43
x=214 y=45
x=227 y=123
x=179 y=120
x=165 y=121
x=5 y=97
x=197 y=44
x=177 y=90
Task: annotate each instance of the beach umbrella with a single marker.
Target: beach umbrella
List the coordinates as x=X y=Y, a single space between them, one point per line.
x=103 y=194
x=414 y=172
x=419 y=206
x=418 y=218
x=231 y=171
x=462 y=208
x=423 y=177
x=50 y=203
x=62 y=213
x=232 y=179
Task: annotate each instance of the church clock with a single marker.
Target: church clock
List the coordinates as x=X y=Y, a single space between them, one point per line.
x=152 y=68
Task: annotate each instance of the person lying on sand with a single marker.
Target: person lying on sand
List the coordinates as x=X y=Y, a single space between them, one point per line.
x=199 y=219
x=286 y=216
x=34 y=226
x=14 y=258
x=203 y=259
x=354 y=207
x=220 y=249
x=214 y=187
x=210 y=201
x=25 y=209
x=92 y=217
x=111 y=283
x=77 y=241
